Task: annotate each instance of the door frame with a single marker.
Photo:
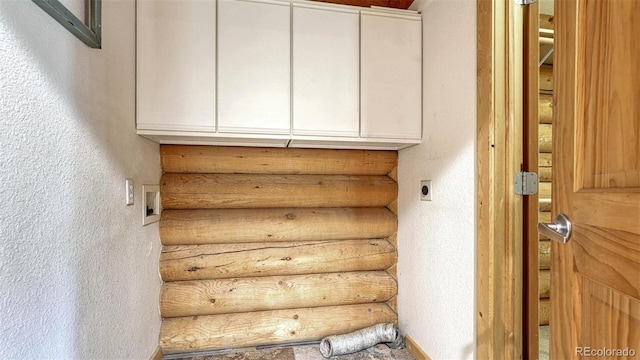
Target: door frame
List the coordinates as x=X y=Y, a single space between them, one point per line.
x=499 y=155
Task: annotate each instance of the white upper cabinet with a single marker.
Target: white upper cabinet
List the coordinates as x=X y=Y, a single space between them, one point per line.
x=326 y=63
x=278 y=73
x=176 y=65
x=254 y=50
x=391 y=76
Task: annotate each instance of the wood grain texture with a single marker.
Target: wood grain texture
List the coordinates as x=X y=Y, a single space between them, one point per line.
x=620 y=269
x=499 y=155
x=532 y=115
x=610 y=319
x=393 y=271
x=546 y=21
x=393 y=303
x=546 y=78
x=544 y=255
x=214 y=332
x=362 y=3
x=251 y=160
x=199 y=191
x=545 y=173
x=544 y=196
x=595 y=275
x=393 y=173
x=415 y=350
x=544 y=285
x=214 y=226
x=545 y=160
x=225 y=296
x=197 y=262
x=544 y=309
x=544 y=138
x=608 y=112
x=545 y=109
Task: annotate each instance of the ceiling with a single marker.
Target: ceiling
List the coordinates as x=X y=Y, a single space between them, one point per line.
x=397 y=4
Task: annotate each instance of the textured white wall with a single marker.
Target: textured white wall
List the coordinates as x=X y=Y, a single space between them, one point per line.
x=79 y=274
x=437 y=239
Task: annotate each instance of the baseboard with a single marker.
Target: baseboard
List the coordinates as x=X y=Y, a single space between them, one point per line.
x=414 y=349
x=157 y=355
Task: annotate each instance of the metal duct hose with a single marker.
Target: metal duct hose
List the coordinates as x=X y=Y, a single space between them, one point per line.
x=361 y=339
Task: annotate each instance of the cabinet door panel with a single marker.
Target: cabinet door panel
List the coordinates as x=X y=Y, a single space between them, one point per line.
x=326 y=61
x=254 y=67
x=391 y=77
x=176 y=65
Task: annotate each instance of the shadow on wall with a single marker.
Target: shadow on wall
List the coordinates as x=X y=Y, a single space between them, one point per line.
x=67 y=139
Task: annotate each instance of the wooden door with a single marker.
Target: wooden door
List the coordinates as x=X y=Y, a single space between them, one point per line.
x=596 y=276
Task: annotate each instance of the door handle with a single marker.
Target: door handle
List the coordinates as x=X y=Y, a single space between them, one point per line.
x=559 y=230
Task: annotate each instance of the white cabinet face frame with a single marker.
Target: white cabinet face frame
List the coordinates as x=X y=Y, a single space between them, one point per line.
x=254 y=47
x=391 y=76
x=176 y=75
x=326 y=71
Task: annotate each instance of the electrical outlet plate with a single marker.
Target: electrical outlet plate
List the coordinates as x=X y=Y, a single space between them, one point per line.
x=151 y=205
x=426 y=190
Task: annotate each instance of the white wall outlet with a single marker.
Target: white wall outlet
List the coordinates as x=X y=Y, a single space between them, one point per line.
x=426 y=190
x=128 y=193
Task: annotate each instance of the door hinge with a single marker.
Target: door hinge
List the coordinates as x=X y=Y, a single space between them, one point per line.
x=526 y=183
x=524 y=2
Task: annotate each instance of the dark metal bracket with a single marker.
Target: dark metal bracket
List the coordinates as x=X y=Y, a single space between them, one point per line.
x=89 y=34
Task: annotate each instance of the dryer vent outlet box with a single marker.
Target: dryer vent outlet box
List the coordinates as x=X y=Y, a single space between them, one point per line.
x=151 y=208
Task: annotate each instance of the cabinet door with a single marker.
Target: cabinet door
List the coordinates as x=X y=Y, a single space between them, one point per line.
x=391 y=71
x=326 y=62
x=254 y=67
x=176 y=65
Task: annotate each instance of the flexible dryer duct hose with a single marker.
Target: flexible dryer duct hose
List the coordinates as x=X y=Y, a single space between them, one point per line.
x=361 y=339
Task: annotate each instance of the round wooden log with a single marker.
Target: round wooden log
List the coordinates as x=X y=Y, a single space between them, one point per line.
x=225 y=296
x=544 y=159
x=201 y=191
x=214 y=226
x=546 y=78
x=545 y=109
x=544 y=196
x=544 y=174
x=544 y=254
x=252 y=160
x=213 y=332
x=544 y=283
x=219 y=261
x=544 y=138
x=544 y=310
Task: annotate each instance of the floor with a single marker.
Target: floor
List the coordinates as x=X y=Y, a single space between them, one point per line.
x=299 y=352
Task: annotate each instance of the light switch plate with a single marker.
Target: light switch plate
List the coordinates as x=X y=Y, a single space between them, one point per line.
x=128 y=193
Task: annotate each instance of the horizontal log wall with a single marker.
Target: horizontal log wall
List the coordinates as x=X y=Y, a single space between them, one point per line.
x=209 y=226
x=545 y=136
x=272 y=246
x=225 y=296
x=195 y=333
x=217 y=261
